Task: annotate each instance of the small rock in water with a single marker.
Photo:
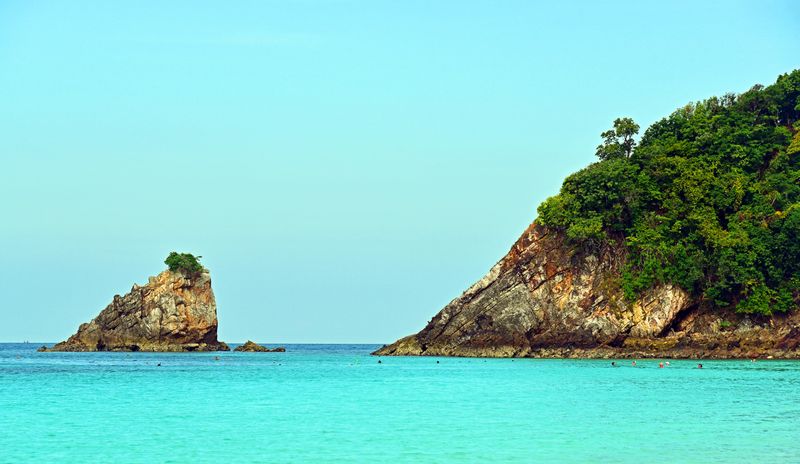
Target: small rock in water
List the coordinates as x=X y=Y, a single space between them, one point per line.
x=251 y=346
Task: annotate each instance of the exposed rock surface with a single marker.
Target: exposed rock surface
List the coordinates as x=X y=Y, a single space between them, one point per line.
x=546 y=298
x=251 y=346
x=172 y=312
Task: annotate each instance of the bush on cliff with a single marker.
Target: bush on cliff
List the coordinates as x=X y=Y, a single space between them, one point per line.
x=708 y=200
x=183 y=262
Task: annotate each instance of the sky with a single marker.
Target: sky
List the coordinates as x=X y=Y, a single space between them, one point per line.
x=345 y=168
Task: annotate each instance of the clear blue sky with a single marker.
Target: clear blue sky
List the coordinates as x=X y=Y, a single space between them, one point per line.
x=345 y=168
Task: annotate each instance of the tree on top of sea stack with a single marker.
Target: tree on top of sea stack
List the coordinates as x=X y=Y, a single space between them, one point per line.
x=185 y=263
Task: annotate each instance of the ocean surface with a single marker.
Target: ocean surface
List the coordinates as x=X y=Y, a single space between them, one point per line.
x=336 y=403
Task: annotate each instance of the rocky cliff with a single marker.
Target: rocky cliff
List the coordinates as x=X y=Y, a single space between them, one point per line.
x=547 y=298
x=174 y=311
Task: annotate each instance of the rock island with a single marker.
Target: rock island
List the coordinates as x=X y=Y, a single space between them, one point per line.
x=685 y=243
x=174 y=311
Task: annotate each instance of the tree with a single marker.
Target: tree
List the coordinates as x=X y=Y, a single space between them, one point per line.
x=186 y=263
x=618 y=142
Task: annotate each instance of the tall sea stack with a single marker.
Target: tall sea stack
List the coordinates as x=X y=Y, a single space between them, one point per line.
x=174 y=311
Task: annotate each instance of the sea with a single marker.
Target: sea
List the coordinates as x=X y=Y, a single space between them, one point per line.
x=338 y=404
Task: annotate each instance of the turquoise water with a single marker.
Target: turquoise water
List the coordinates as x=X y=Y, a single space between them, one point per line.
x=335 y=403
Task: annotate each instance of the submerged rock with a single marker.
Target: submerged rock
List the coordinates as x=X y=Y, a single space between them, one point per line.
x=547 y=298
x=250 y=346
x=174 y=311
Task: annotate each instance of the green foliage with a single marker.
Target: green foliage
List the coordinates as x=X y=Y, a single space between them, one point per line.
x=619 y=141
x=186 y=263
x=794 y=147
x=709 y=199
x=725 y=324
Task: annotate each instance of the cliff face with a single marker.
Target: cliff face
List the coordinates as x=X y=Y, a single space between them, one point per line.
x=547 y=299
x=173 y=312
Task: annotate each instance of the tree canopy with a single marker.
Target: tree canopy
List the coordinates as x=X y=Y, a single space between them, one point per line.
x=183 y=262
x=708 y=200
x=618 y=142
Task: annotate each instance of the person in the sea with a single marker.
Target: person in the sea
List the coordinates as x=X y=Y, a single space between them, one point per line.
x=661 y=365
x=613 y=364
x=699 y=366
x=633 y=363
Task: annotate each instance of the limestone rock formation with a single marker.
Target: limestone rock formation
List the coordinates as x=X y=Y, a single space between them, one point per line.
x=174 y=311
x=250 y=346
x=547 y=298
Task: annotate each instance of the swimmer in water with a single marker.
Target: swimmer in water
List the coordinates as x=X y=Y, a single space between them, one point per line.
x=699 y=366
x=661 y=365
x=613 y=364
x=379 y=361
x=667 y=363
x=633 y=363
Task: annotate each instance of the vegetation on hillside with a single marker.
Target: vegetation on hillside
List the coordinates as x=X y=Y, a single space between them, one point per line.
x=184 y=262
x=709 y=199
